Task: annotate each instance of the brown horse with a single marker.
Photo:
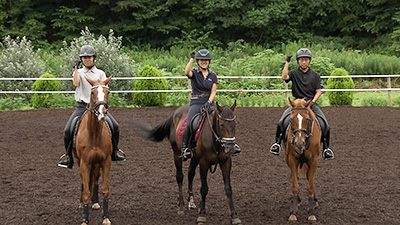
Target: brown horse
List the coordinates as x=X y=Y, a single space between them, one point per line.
x=303 y=145
x=93 y=150
x=215 y=145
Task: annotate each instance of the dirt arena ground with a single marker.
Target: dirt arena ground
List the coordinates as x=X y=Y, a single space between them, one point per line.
x=361 y=186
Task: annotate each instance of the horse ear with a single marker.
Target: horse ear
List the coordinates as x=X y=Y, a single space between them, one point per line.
x=308 y=103
x=219 y=108
x=233 y=106
x=106 y=81
x=291 y=102
x=90 y=81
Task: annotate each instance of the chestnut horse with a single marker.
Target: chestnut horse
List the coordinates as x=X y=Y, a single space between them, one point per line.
x=93 y=150
x=215 y=145
x=303 y=145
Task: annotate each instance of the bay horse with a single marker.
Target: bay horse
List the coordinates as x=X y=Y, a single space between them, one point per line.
x=215 y=145
x=93 y=150
x=303 y=146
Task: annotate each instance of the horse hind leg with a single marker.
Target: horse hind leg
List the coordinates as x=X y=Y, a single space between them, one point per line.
x=191 y=174
x=179 y=178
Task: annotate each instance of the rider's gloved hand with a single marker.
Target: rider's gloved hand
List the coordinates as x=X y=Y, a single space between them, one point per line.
x=77 y=63
x=192 y=54
x=312 y=104
x=288 y=57
x=207 y=106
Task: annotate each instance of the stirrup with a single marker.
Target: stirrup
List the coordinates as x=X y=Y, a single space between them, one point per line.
x=63 y=161
x=185 y=154
x=119 y=155
x=237 y=150
x=327 y=154
x=275 y=149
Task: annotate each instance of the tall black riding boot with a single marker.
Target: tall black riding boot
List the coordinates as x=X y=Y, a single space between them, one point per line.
x=117 y=154
x=276 y=147
x=185 y=152
x=66 y=160
x=327 y=153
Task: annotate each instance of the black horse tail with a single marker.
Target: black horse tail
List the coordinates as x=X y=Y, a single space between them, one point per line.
x=161 y=131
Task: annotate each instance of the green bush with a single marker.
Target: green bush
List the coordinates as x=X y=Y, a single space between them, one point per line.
x=340 y=97
x=147 y=98
x=18 y=59
x=41 y=100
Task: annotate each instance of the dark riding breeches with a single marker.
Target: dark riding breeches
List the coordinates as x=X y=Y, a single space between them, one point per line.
x=80 y=109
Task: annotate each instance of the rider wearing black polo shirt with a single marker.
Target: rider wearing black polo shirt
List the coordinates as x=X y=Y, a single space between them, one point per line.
x=204 y=88
x=306 y=84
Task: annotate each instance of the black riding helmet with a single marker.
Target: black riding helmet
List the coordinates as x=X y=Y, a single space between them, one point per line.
x=203 y=54
x=303 y=52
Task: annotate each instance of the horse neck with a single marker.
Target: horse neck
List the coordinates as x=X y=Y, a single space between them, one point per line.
x=94 y=125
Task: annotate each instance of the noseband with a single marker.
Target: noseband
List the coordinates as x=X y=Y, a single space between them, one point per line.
x=305 y=130
x=96 y=105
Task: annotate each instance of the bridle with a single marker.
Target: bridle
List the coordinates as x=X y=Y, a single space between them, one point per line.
x=224 y=142
x=96 y=105
x=307 y=131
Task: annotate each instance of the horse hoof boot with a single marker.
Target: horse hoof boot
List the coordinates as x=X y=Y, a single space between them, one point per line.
x=106 y=221
x=312 y=218
x=236 y=221
x=201 y=220
x=292 y=217
x=96 y=206
x=191 y=203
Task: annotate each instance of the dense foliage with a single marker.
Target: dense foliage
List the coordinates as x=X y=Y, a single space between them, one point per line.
x=41 y=100
x=358 y=23
x=340 y=97
x=149 y=98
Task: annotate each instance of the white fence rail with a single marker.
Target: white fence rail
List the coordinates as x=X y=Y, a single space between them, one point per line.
x=387 y=76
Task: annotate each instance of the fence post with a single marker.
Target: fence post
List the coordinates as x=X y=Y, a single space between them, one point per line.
x=389 y=85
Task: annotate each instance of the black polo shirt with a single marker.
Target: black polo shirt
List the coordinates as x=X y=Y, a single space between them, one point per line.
x=201 y=85
x=304 y=84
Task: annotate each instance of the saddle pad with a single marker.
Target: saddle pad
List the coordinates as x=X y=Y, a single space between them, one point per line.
x=180 y=133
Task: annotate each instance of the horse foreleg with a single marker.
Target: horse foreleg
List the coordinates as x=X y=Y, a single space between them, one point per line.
x=179 y=179
x=105 y=189
x=191 y=173
x=295 y=190
x=84 y=172
x=226 y=174
x=95 y=188
x=201 y=219
x=312 y=202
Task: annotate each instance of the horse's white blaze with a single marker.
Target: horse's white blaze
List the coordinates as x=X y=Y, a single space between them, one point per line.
x=300 y=118
x=100 y=96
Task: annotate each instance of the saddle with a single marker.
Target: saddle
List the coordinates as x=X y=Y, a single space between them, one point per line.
x=77 y=121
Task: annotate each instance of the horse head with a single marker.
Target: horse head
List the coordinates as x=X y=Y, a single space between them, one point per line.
x=99 y=97
x=301 y=125
x=225 y=127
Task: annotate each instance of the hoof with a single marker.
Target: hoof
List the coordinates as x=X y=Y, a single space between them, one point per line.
x=191 y=204
x=292 y=217
x=201 y=220
x=181 y=212
x=312 y=218
x=84 y=224
x=236 y=221
x=106 y=221
x=96 y=206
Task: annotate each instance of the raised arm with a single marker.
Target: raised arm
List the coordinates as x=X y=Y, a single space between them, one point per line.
x=188 y=68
